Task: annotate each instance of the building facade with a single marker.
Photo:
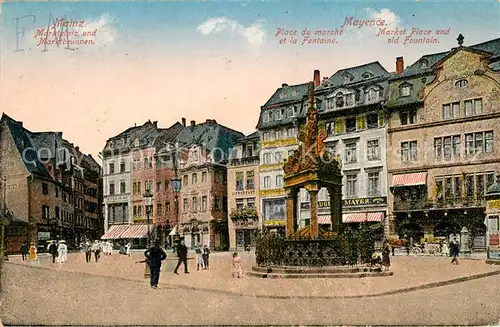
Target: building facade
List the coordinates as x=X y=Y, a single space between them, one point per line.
x=350 y=104
x=278 y=129
x=243 y=193
x=40 y=182
x=442 y=138
x=203 y=198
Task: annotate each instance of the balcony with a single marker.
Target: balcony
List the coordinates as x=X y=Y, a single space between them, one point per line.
x=245 y=213
x=429 y=204
x=245 y=160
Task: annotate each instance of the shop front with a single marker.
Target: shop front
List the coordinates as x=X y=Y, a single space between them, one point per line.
x=493 y=221
x=274 y=214
x=246 y=230
x=196 y=233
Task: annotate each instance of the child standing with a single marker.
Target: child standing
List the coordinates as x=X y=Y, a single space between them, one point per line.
x=199 y=259
x=236 y=264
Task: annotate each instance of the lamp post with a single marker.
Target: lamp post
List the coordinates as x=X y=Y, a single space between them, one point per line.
x=148 y=197
x=176 y=187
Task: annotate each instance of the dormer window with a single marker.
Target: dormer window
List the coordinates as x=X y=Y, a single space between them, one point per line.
x=277 y=115
x=136 y=142
x=372 y=94
x=339 y=100
x=294 y=93
x=424 y=64
x=367 y=75
x=266 y=116
x=347 y=77
x=404 y=90
x=282 y=95
x=291 y=112
x=461 y=83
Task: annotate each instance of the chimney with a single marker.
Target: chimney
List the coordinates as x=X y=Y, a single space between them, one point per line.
x=184 y=122
x=317 y=78
x=77 y=148
x=155 y=123
x=193 y=123
x=399 y=65
x=211 y=121
x=284 y=85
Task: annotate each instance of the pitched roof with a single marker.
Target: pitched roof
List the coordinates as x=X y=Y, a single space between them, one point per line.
x=167 y=135
x=287 y=94
x=355 y=74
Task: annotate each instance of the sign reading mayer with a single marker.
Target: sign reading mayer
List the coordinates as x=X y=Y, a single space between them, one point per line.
x=348 y=202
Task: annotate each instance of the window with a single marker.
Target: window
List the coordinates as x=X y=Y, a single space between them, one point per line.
x=277 y=114
x=408 y=117
x=122 y=167
x=438 y=148
x=266 y=116
x=479 y=142
x=366 y=75
x=279 y=181
x=404 y=90
x=185 y=180
x=45 y=188
x=278 y=156
x=468 y=108
x=349 y=99
x=457 y=183
x=448 y=187
x=469 y=185
x=146 y=163
x=373 y=150
x=456 y=146
x=111 y=168
x=424 y=64
x=139 y=188
x=351 y=185
x=249 y=152
x=278 y=134
x=350 y=153
x=45 y=212
x=339 y=100
x=372 y=95
x=57 y=212
x=266 y=158
x=204 y=177
x=158 y=186
x=373 y=184
x=204 y=203
x=461 y=83
x=372 y=120
x=292 y=132
x=455 y=109
x=478 y=106
x=250 y=180
x=159 y=209
x=446 y=111
x=195 y=204
x=239 y=205
x=194 y=178
x=185 y=205
x=350 y=124
x=57 y=192
x=291 y=112
x=439 y=188
x=447 y=148
x=330 y=128
x=122 y=187
x=267 y=182
x=480 y=185
x=490 y=179
x=111 y=188
x=149 y=185
x=239 y=181
x=409 y=151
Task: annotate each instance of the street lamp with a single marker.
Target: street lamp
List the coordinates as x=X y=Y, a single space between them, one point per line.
x=148 y=197
x=176 y=186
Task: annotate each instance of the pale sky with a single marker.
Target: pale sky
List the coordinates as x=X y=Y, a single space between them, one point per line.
x=205 y=60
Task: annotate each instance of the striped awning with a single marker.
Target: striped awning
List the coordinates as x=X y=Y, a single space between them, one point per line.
x=361 y=217
x=114 y=232
x=409 y=179
x=136 y=231
x=324 y=220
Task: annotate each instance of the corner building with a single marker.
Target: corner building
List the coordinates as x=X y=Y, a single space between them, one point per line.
x=442 y=141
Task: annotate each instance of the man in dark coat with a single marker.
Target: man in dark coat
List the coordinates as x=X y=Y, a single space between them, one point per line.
x=155 y=256
x=182 y=254
x=53 y=251
x=24 y=251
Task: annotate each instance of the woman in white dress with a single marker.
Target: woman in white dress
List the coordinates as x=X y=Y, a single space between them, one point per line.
x=127 y=247
x=62 y=249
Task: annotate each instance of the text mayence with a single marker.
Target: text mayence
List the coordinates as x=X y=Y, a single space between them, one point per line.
x=350 y=21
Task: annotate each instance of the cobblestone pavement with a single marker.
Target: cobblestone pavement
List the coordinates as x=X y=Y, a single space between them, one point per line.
x=46 y=296
x=408 y=272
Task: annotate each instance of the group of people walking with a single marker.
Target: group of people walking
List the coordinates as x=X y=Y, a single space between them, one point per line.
x=57 y=249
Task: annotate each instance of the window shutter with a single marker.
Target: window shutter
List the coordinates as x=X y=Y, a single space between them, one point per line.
x=339 y=125
x=360 y=122
x=381 y=119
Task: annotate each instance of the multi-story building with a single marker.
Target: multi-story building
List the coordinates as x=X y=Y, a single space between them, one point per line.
x=39 y=175
x=243 y=192
x=278 y=130
x=442 y=139
x=118 y=159
x=203 y=197
x=350 y=104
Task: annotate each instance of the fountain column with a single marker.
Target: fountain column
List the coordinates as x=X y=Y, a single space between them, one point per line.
x=314 y=213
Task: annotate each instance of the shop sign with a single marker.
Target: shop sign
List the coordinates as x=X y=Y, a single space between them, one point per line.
x=494 y=204
x=494 y=255
x=274 y=222
x=245 y=223
x=117 y=199
x=494 y=239
x=325 y=205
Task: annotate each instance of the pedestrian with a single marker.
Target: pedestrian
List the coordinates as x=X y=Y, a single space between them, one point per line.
x=32 y=252
x=24 y=251
x=127 y=248
x=386 y=259
x=62 y=249
x=236 y=265
x=206 y=256
x=96 y=248
x=87 y=248
x=455 y=250
x=154 y=257
x=182 y=254
x=110 y=247
x=53 y=251
x=199 y=259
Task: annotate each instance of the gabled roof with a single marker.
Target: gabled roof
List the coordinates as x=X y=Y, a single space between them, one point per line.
x=287 y=94
x=167 y=135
